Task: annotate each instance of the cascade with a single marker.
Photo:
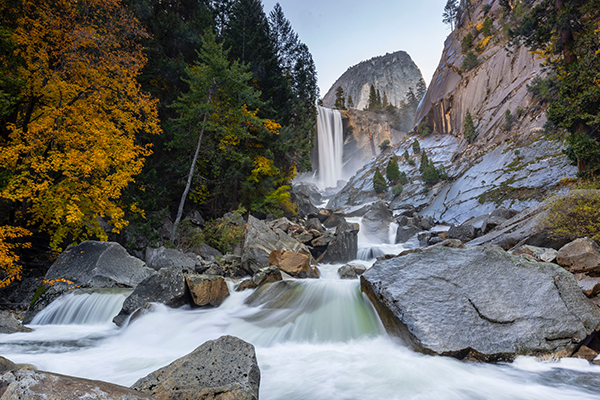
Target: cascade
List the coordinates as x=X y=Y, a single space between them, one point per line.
x=83 y=308
x=330 y=141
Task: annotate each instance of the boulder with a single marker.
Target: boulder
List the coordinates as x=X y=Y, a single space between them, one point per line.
x=347 y=272
x=464 y=232
x=6 y=365
x=376 y=222
x=323 y=240
x=264 y=275
x=165 y=258
x=581 y=255
x=589 y=286
x=334 y=220
x=167 y=286
x=538 y=253
x=207 y=290
x=208 y=253
x=225 y=368
x=30 y=384
x=323 y=214
x=344 y=247
x=10 y=324
x=480 y=304
x=281 y=223
x=99 y=264
x=260 y=241
x=404 y=233
x=293 y=263
x=302 y=196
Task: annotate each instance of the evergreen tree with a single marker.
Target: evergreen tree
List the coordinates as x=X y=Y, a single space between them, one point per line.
x=450 y=13
x=424 y=161
x=403 y=180
x=284 y=39
x=378 y=100
x=372 y=105
x=384 y=101
x=350 y=102
x=392 y=172
x=421 y=90
x=416 y=147
x=469 y=132
x=411 y=100
x=340 y=99
x=406 y=155
x=430 y=174
x=379 y=184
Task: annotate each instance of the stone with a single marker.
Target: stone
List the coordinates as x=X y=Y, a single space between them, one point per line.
x=10 y=324
x=504 y=213
x=589 y=286
x=333 y=221
x=324 y=239
x=294 y=263
x=538 y=253
x=344 y=247
x=6 y=365
x=50 y=294
x=347 y=272
x=315 y=223
x=263 y=276
x=164 y=258
x=225 y=368
x=167 y=286
x=260 y=241
x=281 y=223
x=208 y=253
x=480 y=303
x=358 y=268
x=30 y=384
x=464 y=232
x=581 y=255
x=404 y=233
x=207 y=290
x=492 y=222
x=92 y=259
x=376 y=222
x=323 y=214
x=586 y=353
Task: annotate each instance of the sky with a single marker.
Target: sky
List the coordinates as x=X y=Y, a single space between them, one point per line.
x=340 y=34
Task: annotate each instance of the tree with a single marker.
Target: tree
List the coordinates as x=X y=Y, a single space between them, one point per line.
x=450 y=13
x=69 y=145
x=379 y=184
x=372 y=105
x=384 y=101
x=424 y=161
x=416 y=147
x=469 y=132
x=406 y=155
x=384 y=145
x=340 y=99
x=350 y=102
x=421 y=90
x=430 y=174
x=10 y=270
x=508 y=120
x=392 y=172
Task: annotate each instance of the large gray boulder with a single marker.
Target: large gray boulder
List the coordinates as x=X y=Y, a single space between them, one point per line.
x=10 y=324
x=163 y=258
x=167 y=286
x=480 y=303
x=344 y=247
x=376 y=222
x=225 y=368
x=260 y=241
x=28 y=384
x=99 y=264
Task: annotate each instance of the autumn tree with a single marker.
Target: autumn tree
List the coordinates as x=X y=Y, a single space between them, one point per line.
x=69 y=143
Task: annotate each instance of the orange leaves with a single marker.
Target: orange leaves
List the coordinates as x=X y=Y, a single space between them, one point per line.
x=73 y=149
x=9 y=268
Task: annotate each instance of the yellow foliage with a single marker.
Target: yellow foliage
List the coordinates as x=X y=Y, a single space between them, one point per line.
x=9 y=268
x=272 y=126
x=479 y=26
x=484 y=42
x=263 y=167
x=575 y=214
x=72 y=160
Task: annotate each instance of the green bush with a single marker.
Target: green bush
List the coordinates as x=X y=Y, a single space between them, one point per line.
x=397 y=189
x=379 y=184
x=424 y=161
x=509 y=120
x=392 y=172
x=467 y=42
x=424 y=129
x=575 y=215
x=487 y=26
x=222 y=234
x=403 y=180
x=406 y=155
x=411 y=162
x=430 y=174
x=469 y=132
x=470 y=61
x=384 y=145
x=544 y=89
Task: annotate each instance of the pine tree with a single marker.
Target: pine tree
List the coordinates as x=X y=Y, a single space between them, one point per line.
x=379 y=184
x=406 y=155
x=469 y=132
x=392 y=172
x=450 y=13
x=416 y=147
x=340 y=102
x=372 y=105
x=384 y=101
x=424 y=161
x=350 y=102
x=421 y=90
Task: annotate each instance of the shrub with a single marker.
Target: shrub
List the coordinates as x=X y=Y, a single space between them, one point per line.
x=430 y=174
x=487 y=27
x=222 y=234
x=403 y=180
x=469 y=132
x=508 y=120
x=392 y=173
x=384 y=145
x=411 y=162
x=575 y=215
x=406 y=155
x=487 y=8
x=470 y=61
x=397 y=189
x=379 y=184
x=544 y=89
x=416 y=147
x=467 y=42
x=424 y=161
x=424 y=129
x=442 y=172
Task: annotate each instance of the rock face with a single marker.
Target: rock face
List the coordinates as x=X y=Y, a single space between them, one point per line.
x=10 y=324
x=225 y=368
x=167 y=287
x=207 y=290
x=163 y=258
x=99 y=264
x=480 y=303
x=391 y=74
x=28 y=384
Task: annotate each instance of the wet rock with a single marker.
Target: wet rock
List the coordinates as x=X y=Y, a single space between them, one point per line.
x=589 y=286
x=263 y=276
x=478 y=304
x=260 y=241
x=581 y=255
x=538 y=253
x=344 y=247
x=464 y=232
x=207 y=290
x=91 y=259
x=323 y=214
x=49 y=294
x=165 y=258
x=376 y=222
x=167 y=286
x=586 y=353
x=324 y=239
x=403 y=233
x=225 y=368
x=333 y=221
x=10 y=324
x=29 y=384
x=347 y=272
x=6 y=365
x=294 y=263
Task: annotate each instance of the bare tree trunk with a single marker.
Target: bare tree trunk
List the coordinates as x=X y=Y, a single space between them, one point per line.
x=191 y=174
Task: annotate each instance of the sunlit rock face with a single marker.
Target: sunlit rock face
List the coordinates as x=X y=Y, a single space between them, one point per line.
x=391 y=74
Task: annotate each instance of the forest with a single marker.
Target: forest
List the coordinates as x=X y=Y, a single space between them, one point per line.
x=119 y=111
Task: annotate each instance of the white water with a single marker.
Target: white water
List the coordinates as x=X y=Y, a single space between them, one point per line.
x=319 y=339
x=330 y=143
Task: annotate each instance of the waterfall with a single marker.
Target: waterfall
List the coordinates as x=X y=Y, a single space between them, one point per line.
x=330 y=146
x=83 y=308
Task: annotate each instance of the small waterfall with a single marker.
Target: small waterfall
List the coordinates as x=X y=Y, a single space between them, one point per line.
x=83 y=308
x=330 y=142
